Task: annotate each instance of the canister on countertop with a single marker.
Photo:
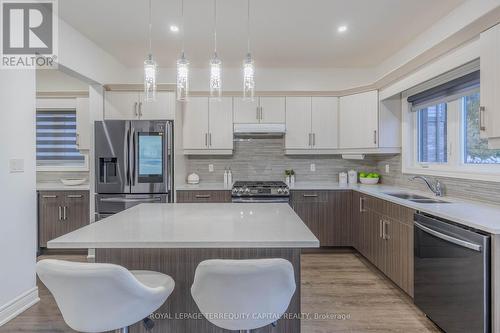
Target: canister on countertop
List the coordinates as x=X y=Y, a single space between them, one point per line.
x=353 y=177
x=343 y=178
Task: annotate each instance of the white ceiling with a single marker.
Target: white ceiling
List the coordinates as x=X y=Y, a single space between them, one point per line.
x=284 y=33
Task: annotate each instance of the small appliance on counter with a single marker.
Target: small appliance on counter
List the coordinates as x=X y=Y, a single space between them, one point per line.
x=353 y=176
x=343 y=178
x=193 y=179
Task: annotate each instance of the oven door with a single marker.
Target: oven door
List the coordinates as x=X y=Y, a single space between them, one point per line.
x=260 y=199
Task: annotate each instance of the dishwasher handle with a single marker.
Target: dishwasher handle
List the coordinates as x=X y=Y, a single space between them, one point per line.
x=456 y=241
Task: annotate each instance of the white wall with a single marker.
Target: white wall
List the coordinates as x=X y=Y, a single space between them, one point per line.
x=18 y=195
x=49 y=80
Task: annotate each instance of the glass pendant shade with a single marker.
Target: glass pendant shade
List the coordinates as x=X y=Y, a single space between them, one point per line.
x=150 y=69
x=215 y=77
x=182 y=78
x=248 y=78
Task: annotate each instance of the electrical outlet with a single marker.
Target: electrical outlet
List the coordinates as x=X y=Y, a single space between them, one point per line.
x=387 y=168
x=16 y=165
x=210 y=168
x=313 y=167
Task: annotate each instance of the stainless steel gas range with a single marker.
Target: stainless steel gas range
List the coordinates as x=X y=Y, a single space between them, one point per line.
x=260 y=192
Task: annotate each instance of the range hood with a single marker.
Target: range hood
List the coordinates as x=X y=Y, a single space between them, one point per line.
x=260 y=129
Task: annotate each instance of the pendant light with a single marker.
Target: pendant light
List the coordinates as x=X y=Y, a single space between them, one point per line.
x=215 y=65
x=248 y=65
x=150 y=69
x=182 y=67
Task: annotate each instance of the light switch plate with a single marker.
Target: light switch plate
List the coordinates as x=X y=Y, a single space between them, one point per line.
x=387 y=168
x=313 y=167
x=210 y=168
x=16 y=165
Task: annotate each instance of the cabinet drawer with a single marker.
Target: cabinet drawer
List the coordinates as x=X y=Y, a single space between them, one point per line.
x=203 y=196
x=309 y=196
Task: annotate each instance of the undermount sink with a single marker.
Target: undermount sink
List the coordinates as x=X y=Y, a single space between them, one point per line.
x=416 y=198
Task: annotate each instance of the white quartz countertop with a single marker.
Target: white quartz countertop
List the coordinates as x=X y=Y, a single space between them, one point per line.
x=58 y=186
x=473 y=214
x=193 y=225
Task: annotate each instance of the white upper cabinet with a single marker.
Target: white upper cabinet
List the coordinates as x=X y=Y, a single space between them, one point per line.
x=246 y=111
x=220 y=122
x=325 y=122
x=208 y=126
x=358 y=121
x=82 y=123
x=298 y=123
x=163 y=107
x=126 y=105
x=195 y=124
x=490 y=86
x=272 y=110
x=269 y=110
x=311 y=124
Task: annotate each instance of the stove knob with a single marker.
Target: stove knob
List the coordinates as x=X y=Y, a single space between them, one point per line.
x=247 y=190
x=235 y=190
x=280 y=191
x=241 y=190
x=286 y=191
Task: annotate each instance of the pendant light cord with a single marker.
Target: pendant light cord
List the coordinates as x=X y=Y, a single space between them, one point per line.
x=248 y=26
x=150 y=27
x=182 y=19
x=215 y=26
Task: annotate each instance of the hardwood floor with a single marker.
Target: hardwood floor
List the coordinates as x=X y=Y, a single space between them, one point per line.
x=340 y=283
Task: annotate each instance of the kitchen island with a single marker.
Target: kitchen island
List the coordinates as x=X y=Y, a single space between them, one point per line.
x=175 y=238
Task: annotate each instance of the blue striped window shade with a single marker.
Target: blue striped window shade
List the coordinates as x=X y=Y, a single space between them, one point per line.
x=56 y=138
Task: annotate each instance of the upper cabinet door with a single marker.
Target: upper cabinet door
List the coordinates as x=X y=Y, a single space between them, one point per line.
x=490 y=85
x=195 y=123
x=298 y=123
x=246 y=112
x=162 y=108
x=325 y=122
x=221 y=124
x=272 y=110
x=82 y=123
x=121 y=105
x=358 y=123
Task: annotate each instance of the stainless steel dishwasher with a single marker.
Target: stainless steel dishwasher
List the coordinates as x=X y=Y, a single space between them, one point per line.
x=452 y=275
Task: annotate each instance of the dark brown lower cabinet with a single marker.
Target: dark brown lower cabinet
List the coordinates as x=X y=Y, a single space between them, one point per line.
x=60 y=212
x=385 y=237
x=191 y=196
x=326 y=213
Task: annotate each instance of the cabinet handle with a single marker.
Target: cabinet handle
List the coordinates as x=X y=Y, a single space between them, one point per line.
x=49 y=196
x=482 y=126
x=384 y=230
x=310 y=195
x=202 y=196
x=135 y=109
x=261 y=113
x=381 y=228
x=362 y=205
x=210 y=139
x=309 y=140
x=60 y=213
x=77 y=139
x=257 y=113
x=74 y=196
x=206 y=139
x=375 y=136
x=65 y=216
x=140 y=109
x=314 y=139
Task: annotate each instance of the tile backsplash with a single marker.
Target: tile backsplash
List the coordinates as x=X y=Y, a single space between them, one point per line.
x=264 y=159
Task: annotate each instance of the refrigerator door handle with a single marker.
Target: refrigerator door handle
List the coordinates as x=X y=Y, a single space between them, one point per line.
x=127 y=157
x=133 y=158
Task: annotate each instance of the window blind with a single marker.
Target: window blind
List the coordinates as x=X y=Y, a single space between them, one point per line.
x=56 y=137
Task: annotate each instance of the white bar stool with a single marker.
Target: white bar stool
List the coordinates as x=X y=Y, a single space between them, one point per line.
x=243 y=295
x=103 y=297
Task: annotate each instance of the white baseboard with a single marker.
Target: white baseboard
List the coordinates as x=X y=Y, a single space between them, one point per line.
x=18 y=305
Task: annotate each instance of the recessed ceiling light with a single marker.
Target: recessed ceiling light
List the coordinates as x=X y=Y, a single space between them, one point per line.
x=174 y=28
x=342 y=28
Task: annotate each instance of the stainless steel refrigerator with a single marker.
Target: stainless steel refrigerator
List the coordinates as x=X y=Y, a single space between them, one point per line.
x=133 y=163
